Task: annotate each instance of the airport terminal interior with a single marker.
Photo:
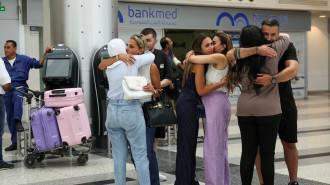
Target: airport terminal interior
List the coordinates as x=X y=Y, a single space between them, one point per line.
x=80 y=31
x=313 y=146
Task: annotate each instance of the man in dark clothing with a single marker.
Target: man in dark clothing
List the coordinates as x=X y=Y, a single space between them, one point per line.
x=165 y=71
x=288 y=68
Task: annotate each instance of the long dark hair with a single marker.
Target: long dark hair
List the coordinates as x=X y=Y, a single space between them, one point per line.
x=197 y=48
x=251 y=36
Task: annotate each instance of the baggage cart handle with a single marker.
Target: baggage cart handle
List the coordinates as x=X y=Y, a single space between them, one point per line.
x=29 y=96
x=35 y=93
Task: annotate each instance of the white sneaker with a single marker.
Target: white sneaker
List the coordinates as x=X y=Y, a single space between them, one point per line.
x=162 y=177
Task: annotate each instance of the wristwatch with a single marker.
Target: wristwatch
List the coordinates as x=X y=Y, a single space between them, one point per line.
x=274 y=81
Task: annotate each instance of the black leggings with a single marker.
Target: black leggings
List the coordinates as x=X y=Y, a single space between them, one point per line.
x=262 y=131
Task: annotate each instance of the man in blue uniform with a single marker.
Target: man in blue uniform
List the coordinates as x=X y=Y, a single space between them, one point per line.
x=18 y=67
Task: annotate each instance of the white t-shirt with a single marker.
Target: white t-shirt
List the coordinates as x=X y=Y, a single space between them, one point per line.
x=12 y=61
x=4 y=76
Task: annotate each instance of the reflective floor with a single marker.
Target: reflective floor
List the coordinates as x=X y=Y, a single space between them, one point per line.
x=313 y=145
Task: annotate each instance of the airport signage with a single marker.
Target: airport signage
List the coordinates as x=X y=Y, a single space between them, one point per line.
x=192 y=17
x=8 y=10
x=2 y=8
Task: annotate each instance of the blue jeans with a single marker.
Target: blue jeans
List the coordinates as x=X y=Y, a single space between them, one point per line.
x=153 y=163
x=125 y=121
x=2 y=123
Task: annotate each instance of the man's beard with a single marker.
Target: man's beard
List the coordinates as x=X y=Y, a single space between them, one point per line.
x=269 y=42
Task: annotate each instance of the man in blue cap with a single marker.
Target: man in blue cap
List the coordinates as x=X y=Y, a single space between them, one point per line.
x=18 y=67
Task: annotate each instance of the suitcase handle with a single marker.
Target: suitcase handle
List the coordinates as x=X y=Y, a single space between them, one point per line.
x=58 y=91
x=57 y=95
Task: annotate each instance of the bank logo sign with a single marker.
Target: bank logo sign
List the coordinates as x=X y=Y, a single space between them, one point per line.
x=190 y=17
x=120 y=17
x=2 y=8
x=148 y=15
x=237 y=20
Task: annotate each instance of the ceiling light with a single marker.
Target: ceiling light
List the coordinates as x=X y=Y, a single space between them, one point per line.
x=322 y=16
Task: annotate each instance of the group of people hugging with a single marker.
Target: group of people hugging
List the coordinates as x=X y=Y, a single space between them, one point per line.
x=212 y=69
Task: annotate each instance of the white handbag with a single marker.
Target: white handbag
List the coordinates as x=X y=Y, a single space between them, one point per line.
x=133 y=87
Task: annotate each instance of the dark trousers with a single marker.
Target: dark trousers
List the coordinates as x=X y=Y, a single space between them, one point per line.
x=186 y=144
x=153 y=163
x=262 y=131
x=14 y=110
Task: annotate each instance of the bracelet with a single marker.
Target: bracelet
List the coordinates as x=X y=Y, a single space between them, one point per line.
x=117 y=57
x=256 y=49
x=235 y=53
x=239 y=53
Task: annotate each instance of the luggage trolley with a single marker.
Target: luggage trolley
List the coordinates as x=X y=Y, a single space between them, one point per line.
x=47 y=139
x=60 y=72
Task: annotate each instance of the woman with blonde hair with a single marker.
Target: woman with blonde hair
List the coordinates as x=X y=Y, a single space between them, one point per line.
x=125 y=120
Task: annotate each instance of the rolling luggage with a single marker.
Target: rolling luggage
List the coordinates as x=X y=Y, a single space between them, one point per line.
x=63 y=97
x=73 y=124
x=45 y=129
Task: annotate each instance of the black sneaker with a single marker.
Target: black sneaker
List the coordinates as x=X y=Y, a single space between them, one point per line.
x=12 y=147
x=294 y=183
x=5 y=165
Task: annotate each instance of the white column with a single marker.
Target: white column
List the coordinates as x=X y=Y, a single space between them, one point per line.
x=84 y=26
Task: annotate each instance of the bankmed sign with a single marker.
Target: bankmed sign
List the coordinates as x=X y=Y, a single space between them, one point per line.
x=148 y=15
x=190 y=17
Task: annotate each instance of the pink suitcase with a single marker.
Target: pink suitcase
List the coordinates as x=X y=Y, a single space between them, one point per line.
x=73 y=124
x=63 y=97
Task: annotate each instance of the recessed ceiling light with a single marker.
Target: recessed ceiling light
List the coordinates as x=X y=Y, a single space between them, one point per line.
x=322 y=16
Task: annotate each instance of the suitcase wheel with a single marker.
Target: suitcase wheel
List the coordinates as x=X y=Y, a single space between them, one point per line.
x=57 y=112
x=40 y=157
x=76 y=108
x=83 y=140
x=91 y=139
x=30 y=150
x=30 y=161
x=65 y=146
x=82 y=159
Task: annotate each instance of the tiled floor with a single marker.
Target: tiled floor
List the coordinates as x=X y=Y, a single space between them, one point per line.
x=313 y=146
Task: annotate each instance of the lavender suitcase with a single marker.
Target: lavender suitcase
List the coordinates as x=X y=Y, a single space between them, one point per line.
x=73 y=124
x=63 y=97
x=45 y=129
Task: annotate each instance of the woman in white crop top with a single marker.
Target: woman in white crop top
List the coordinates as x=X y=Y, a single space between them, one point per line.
x=217 y=109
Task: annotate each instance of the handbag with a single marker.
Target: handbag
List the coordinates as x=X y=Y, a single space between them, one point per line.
x=133 y=87
x=158 y=113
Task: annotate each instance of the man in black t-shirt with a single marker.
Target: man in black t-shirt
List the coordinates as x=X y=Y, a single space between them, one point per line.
x=288 y=68
x=165 y=71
